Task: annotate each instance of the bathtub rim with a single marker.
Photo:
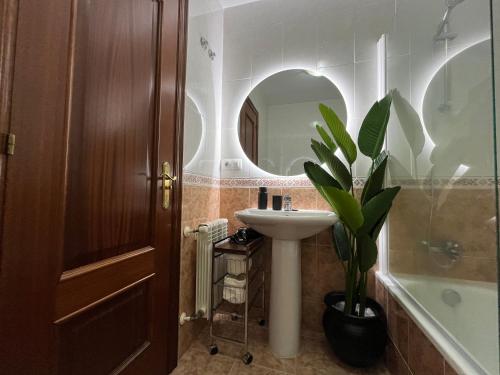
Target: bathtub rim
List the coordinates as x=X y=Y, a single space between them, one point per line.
x=453 y=353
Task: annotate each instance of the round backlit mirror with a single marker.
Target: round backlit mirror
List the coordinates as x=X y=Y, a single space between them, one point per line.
x=277 y=120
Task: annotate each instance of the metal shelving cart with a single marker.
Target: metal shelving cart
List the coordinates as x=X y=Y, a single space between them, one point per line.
x=245 y=266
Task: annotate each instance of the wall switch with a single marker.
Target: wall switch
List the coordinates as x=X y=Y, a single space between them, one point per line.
x=232 y=164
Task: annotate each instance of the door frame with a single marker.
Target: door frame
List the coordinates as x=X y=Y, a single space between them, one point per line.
x=176 y=211
x=171 y=104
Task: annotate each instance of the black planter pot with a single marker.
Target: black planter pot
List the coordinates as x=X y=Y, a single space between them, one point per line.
x=359 y=342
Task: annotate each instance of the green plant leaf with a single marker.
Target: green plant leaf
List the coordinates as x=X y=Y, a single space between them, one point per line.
x=315 y=145
x=378 y=160
x=376 y=208
x=378 y=227
x=320 y=179
x=375 y=182
x=334 y=164
x=367 y=253
x=326 y=138
x=318 y=175
x=372 y=133
x=346 y=207
x=342 y=245
x=340 y=134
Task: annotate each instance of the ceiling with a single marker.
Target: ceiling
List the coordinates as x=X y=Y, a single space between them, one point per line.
x=233 y=3
x=296 y=86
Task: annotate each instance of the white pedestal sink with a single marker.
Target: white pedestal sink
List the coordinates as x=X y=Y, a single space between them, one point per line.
x=286 y=228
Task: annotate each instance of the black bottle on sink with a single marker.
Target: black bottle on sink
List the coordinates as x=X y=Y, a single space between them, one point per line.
x=262 y=204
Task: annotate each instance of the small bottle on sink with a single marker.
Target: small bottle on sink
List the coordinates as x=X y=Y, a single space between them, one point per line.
x=262 y=204
x=287 y=203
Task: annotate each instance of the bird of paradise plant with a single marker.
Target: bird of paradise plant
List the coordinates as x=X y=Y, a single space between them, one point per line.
x=360 y=219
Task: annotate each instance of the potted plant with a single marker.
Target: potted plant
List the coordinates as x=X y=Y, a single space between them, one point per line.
x=354 y=324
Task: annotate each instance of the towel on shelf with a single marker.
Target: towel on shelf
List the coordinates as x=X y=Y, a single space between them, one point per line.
x=234 y=288
x=236 y=264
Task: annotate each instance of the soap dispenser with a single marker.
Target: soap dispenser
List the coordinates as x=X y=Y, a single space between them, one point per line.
x=262 y=204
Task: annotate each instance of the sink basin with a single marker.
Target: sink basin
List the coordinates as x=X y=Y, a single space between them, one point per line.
x=287 y=225
x=286 y=228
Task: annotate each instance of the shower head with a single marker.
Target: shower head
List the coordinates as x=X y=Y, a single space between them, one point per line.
x=453 y=3
x=442 y=30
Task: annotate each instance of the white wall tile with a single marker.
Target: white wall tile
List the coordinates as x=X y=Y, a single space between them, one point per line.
x=312 y=34
x=372 y=19
x=336 y=39
x=204 y=83
x=237 y=56
x=365 y=87
x=299 y=47
x=267 y=49
x=234 y=94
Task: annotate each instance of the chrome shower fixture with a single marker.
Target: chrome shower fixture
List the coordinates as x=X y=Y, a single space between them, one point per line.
x=443 y=33
x=205 y=45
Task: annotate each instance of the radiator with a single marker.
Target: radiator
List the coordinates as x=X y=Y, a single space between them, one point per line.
x=207 y=235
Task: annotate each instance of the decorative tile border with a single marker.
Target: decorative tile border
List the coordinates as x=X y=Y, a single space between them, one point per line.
x=198 y=180
x=447 y=183
x=298 y=182
x=289 y=182
x=303 y=182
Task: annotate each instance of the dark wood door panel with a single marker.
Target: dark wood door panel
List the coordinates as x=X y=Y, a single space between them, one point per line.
x=111 y=148
x=101 y=340
x=249 y=130
x=87 y=286
x=89 y=258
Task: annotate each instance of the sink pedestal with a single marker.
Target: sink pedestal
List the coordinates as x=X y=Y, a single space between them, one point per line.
x=286 y=228
x=286 y=299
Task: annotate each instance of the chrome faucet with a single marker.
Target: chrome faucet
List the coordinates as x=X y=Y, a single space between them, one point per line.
x=451 y=250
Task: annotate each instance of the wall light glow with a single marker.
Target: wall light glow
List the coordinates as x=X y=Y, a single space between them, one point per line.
x=432 y=73
x=190 y=165
x=314 y=73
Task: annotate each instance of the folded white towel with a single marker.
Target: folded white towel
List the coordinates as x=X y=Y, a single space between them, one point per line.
x=236 y=264
x=234 y=288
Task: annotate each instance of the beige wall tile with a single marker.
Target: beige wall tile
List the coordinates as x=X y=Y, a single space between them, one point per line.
x=399 y=325
x=302 y=199
x=232 y=200
x=395 y=362
x=199 y=204
x=423 y=357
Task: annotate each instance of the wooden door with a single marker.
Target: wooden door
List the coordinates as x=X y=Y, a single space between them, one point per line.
x=89 y=254
x=249 y=130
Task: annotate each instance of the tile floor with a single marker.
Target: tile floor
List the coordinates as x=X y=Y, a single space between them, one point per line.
x=315 y=357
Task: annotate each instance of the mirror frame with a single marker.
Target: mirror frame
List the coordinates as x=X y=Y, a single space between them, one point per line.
x=241 y=101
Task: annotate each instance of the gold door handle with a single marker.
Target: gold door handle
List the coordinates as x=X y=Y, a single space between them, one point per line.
x=167 y=180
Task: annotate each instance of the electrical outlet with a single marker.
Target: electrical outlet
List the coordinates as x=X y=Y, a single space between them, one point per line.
x=232 y=164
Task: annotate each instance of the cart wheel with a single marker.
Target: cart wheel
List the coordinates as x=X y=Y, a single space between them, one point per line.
x=213 y=349
x=247 y=358
x=262 y=322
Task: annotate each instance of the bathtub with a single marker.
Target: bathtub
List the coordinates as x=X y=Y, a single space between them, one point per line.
x=465 y=318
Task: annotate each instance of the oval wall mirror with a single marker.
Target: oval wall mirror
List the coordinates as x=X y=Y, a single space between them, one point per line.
x=277 y=119
x=193 y=130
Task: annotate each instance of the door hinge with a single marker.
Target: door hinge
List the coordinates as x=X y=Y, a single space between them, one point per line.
x=10 y=144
